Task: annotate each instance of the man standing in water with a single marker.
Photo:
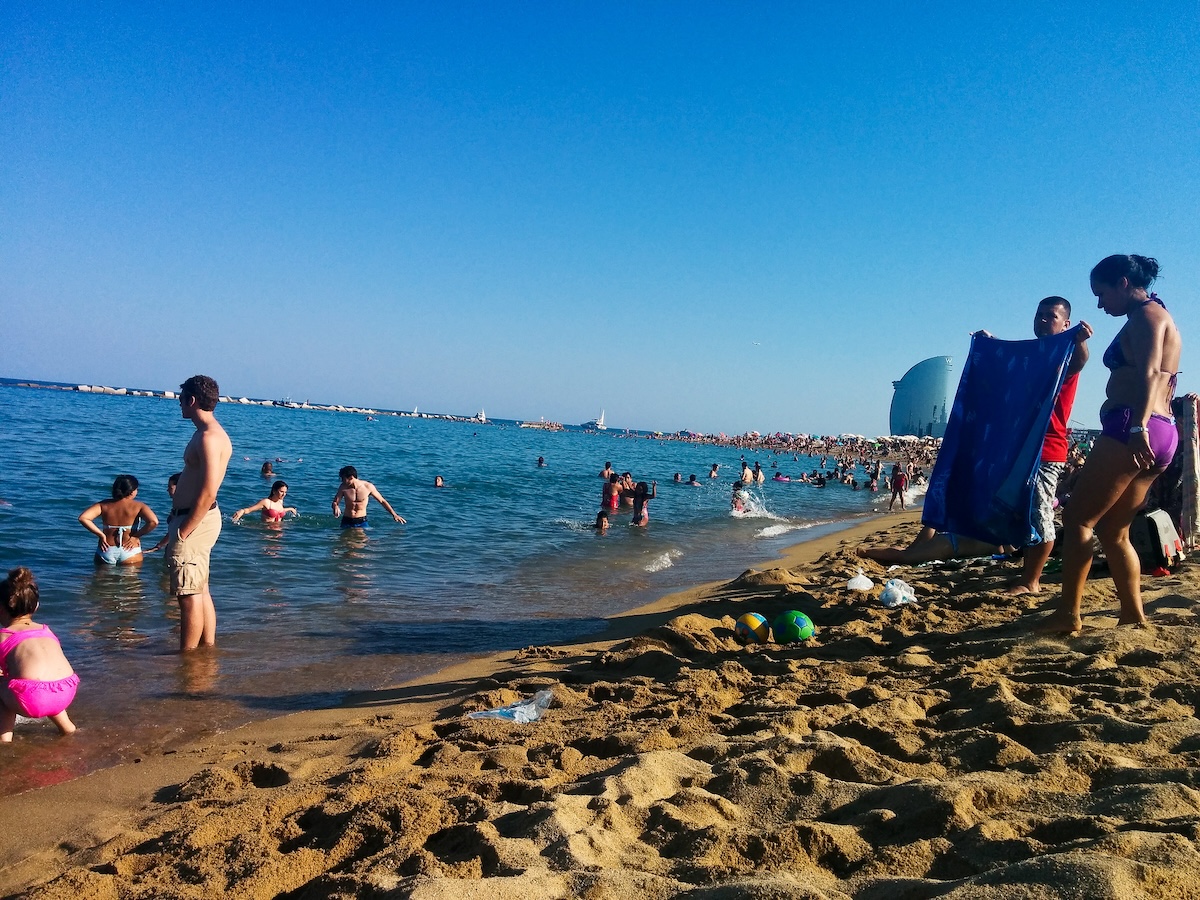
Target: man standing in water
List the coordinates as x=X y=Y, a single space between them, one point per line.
x=195 y=521
x=357 y=493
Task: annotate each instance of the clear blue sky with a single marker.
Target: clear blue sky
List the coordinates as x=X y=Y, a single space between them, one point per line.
x=706 y=216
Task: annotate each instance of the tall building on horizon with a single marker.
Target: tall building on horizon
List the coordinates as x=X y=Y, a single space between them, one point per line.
x=921 y=402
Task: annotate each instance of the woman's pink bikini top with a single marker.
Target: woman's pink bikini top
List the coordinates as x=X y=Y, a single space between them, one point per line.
x=12 y=638
x=274 y=515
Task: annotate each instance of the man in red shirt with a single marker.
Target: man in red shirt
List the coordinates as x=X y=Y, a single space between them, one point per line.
x=1053 y=317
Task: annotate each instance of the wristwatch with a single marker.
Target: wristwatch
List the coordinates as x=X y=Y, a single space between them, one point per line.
x=1138 y=429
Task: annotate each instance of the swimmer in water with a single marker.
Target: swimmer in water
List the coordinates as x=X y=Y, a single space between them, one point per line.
x=172 y=484
x=627 y=489
x=357 y=493
x=267 y=470
x=610 y=494
x=642 y=495
x=272 y=507
x=438 y=481
x=737 y=502
x=125 y=520
x=692 y=481
x=601 y=525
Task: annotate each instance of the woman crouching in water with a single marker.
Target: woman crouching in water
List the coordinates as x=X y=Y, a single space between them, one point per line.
x=1137 y=441
x=35 y=678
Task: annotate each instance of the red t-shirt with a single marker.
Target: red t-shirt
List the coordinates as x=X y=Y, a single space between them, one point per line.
x=1054 y=448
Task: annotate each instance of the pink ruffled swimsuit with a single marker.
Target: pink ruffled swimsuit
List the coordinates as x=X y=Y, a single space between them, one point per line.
x=34 y=698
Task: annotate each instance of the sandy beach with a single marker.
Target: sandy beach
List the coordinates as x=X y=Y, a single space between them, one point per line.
x=935 y=750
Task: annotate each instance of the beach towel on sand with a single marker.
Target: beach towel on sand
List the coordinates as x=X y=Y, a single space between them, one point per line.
x=982 y=483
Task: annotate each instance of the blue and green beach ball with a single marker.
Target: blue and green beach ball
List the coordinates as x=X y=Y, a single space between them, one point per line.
x=752 y=629
x=793 y=625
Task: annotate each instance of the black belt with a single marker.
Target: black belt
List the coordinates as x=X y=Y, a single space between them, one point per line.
x=187 y=509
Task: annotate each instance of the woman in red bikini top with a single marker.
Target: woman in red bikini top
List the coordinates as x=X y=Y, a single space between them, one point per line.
x=610 y=494
x=1137 y=442
x=272 y=507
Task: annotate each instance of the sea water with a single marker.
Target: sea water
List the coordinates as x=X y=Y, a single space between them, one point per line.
x=502 y=557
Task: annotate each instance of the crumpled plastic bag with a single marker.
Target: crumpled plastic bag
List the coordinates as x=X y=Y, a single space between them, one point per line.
x=897 y=593
x=860 y=582
x=523 y=711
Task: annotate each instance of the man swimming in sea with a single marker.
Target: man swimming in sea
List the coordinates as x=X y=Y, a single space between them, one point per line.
x=357 y=493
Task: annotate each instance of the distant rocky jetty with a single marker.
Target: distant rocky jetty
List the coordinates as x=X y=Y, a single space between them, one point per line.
x=244 y=401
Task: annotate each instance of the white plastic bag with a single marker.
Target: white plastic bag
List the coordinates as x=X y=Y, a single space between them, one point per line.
x=522 y=711
x=897 y=593
x=860 y=582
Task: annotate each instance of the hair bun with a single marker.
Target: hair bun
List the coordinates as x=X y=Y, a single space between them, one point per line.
x=1148 y=265
x=20 y=577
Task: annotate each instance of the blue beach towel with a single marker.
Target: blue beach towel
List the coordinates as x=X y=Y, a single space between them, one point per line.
x=982 y=482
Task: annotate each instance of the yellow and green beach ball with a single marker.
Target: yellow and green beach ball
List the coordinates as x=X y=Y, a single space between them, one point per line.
x=752 y=629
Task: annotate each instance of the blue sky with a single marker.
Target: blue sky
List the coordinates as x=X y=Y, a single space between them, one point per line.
x=720 y=217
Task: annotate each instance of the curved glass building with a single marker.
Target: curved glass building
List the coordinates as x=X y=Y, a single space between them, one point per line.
x=922 y=399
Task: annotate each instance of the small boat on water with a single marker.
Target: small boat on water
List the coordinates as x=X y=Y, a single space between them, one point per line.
x=595 y=424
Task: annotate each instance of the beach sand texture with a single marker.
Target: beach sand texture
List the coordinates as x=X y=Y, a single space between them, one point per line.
x=938 y=750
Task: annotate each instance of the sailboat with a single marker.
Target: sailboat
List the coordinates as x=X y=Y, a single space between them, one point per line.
x=595 y=424
x=481 y=418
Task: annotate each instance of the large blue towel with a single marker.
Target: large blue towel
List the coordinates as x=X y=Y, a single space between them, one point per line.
x=982 y=483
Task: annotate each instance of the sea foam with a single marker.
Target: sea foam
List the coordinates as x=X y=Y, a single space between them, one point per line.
x=663 y=561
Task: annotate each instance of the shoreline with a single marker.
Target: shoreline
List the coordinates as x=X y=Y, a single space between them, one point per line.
x=277 y=586
x=96 y=798
x=221 y=713
x=935 y=750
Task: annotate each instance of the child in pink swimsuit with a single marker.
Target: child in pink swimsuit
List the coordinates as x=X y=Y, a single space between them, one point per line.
x=35 y=678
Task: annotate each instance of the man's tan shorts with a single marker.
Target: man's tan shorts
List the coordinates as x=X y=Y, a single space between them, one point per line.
x=188 y=559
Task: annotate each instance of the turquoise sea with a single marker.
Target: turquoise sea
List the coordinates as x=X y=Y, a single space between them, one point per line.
x=502 y=557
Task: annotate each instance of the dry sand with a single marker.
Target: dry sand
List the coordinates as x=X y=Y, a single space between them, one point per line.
x=930 y=751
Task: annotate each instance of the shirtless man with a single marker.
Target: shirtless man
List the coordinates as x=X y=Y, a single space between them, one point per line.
x=195 y=521
x=357 y=493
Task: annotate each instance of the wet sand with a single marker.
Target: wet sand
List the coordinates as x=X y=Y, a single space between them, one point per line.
x=937 y=750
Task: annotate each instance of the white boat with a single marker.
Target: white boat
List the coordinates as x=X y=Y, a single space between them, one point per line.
x=595 y=424
x=481 y=418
